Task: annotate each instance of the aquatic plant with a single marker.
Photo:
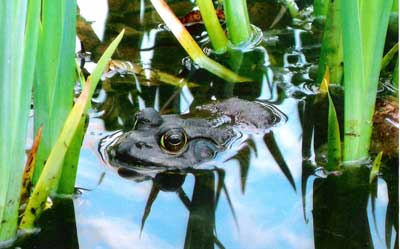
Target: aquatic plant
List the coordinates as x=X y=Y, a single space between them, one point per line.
x=331 y=55
x=52 y=169
x=18 y=46
x=364 y=31
x=37 y=55
x=190 y=45
x=361 y=53
x=54 y=78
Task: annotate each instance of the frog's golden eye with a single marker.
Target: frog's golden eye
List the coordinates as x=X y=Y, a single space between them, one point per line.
x=173 y=141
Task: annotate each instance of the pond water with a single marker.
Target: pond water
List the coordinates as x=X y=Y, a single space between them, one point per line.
x=266 y=192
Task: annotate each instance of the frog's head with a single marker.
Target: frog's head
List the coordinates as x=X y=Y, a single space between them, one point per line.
x=168 y=141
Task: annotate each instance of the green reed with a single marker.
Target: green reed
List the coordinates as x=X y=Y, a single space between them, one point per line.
x=55 y=74
x=364 y=27
x=53 y=167
x=19 y=21
x=37 y=55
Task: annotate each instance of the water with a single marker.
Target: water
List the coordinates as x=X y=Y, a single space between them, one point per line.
x=267 y=200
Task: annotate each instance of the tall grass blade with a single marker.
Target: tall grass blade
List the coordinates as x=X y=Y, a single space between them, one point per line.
x=334 y=143
x=54 y=82
x=332 y=47
x=52 y=168
x=389 y=56
x=67 y=183
x=364 y=30
x=19 y=21
x=292 y=7
x=376 y=165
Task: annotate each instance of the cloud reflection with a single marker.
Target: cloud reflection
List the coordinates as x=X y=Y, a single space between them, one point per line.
x=106 y=232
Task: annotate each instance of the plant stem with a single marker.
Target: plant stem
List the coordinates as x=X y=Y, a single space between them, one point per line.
x=214 y=29
x=237 y=21
x=292 y=7
x=190 y=45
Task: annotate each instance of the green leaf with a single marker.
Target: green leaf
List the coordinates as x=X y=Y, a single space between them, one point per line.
x=376 y=165
x=334 y=144
x=364 y=31
x=52 y=168
x=389 y=56
x=20 y=22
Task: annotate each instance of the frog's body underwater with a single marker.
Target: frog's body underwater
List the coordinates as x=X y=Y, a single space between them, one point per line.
x=178 y=142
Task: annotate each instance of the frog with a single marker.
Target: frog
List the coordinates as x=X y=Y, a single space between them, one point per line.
x=175 y=141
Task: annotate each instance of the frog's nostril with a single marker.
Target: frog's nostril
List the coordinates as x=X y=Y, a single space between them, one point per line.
x=141 y=145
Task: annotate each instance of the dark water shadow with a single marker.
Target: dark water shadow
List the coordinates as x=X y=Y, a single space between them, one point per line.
x=57 y=228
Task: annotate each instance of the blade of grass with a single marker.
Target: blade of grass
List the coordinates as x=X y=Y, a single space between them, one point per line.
x=376 y=165
x=190 y=45
x=67 y=81
x=389 y=56
x=47 y=86
x=364 y=31
x=334 y=143
x=20 y=21
x=292 y=7
x=52 y=168
x=332 y=47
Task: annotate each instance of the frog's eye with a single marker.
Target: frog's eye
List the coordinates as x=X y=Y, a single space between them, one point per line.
x=173 y=141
